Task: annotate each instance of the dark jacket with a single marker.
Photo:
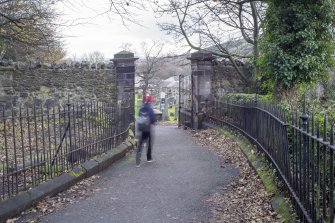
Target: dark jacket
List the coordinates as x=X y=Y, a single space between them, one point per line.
x=147 y=108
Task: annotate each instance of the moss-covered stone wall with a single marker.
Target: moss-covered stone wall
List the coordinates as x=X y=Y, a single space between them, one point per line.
x=48 y=86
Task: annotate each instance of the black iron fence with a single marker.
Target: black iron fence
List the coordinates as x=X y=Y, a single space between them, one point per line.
x=39 y=143
x=185 y=111
x=301 y=150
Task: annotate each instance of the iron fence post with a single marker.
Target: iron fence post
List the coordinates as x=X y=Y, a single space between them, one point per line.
x=304 y=119
x=256 y=115
x=69 y=124
x=179 y=101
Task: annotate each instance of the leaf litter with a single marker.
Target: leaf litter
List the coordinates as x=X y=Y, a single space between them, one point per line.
x=245 y=199
x=74 y=194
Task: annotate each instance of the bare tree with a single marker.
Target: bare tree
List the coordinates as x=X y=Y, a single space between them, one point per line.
x=92 y=57
x=148 y=67
x=49 y=54
x=96 y=57
x=127 y=47
x=222 y=23
x=126 y=9
x=26 y=25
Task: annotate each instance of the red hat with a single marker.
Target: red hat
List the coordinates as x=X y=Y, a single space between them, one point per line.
x=149 y=99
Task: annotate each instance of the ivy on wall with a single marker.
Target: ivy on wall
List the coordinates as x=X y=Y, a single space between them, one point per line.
x=298 y=44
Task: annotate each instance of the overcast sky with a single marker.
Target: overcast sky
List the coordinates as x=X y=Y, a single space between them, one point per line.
x=105 y=33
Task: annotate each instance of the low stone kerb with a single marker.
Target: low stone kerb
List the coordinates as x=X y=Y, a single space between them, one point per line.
x=15 y=205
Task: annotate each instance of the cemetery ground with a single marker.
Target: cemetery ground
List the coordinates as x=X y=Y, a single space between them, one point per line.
x=197 y=176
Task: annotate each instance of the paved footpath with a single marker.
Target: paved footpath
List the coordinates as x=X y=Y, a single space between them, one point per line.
x=171 y=189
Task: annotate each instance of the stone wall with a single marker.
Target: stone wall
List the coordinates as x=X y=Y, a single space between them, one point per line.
x=23 y=84
x=225 y=78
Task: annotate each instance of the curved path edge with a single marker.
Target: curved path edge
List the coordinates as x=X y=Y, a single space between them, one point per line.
x=24 y=200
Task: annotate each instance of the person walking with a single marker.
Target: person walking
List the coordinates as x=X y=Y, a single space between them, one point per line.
x=146 y=118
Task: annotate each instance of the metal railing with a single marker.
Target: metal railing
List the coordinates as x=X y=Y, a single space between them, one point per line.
x=301 y=150
x=39 y=143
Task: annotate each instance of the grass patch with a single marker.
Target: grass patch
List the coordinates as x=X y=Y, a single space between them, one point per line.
x=3 y=167
x=48 y=169
x=137 y=104
x=172 y=113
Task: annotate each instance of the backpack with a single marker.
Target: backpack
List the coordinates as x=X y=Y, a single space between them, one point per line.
x=143 y=121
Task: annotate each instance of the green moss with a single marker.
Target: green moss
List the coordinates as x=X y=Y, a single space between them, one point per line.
x=227 y=133
x=77 y=174
x=268 y=181
x=281 y=207
x=258 y=164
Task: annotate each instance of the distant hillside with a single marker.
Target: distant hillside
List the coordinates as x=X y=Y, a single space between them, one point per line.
x=240 y=47
x=173 y=66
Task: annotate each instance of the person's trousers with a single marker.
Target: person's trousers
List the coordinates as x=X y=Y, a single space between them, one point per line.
x=145 y=137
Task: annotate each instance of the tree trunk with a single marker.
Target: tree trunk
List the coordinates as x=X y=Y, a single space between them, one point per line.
x=255 y=44
x=145 y=89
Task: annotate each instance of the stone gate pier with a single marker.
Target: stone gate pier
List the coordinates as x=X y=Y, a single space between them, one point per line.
x=201 y=78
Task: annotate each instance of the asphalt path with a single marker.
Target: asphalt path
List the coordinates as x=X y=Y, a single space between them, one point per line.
x=171 y=189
